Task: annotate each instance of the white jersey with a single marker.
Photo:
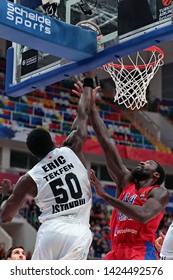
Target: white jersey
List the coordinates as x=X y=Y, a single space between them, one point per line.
x=63 y=186
x=167 y=247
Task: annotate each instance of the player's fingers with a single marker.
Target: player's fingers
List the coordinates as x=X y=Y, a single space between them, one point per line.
x=93 y=177
x=95 y=91
x=76 y=92
x=157 y=241
x=162 y=235
x=79 y=87
x=80 y=84
x=158 y=244
x=92 y=173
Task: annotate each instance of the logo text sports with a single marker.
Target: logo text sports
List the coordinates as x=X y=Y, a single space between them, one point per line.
x=35 y=21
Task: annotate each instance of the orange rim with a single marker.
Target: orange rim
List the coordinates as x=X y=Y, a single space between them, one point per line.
x=142 y=66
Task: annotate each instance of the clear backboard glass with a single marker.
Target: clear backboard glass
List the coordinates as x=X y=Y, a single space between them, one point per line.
x=119 y=21
x=104 y=13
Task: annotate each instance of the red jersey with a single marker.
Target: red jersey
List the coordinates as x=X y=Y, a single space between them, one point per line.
x=126 y=232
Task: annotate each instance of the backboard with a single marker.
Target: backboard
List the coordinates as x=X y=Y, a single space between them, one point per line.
x=126 y=26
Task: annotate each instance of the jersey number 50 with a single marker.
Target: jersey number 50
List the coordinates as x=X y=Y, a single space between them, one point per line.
x=61 y=195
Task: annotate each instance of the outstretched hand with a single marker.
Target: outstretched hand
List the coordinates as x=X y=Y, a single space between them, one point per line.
x=79 y=90
x=96 y=184
x=159 y=241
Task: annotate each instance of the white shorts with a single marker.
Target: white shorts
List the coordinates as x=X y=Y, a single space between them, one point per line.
x=167 y=247
x=62 y=239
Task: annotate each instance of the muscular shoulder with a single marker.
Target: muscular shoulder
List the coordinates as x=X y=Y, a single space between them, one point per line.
x=160 y=193
x=26 y=185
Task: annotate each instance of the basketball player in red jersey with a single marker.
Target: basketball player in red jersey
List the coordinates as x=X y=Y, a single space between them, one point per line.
x=140 y=202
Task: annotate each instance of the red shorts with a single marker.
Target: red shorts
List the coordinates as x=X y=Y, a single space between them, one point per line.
x=133 y=252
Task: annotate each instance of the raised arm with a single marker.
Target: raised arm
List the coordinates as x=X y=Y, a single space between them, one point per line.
x=78 y=134
x=119 y=173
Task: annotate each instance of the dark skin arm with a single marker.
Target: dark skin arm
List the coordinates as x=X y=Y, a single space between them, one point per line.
x=117 y=170
x=24 y=186
x=78 y=135
x=157 y=200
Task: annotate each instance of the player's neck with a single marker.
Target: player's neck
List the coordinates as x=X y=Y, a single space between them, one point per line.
x=143 y=184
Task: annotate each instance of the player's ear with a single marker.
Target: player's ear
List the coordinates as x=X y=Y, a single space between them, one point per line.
x=156 y=175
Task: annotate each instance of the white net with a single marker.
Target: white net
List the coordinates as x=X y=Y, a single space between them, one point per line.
x=133 y=77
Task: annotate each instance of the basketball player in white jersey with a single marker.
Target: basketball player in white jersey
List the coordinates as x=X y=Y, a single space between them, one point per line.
x=60 y=185
x=164 y=244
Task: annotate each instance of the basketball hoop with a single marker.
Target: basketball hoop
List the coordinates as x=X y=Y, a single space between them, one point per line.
x=132 y=77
